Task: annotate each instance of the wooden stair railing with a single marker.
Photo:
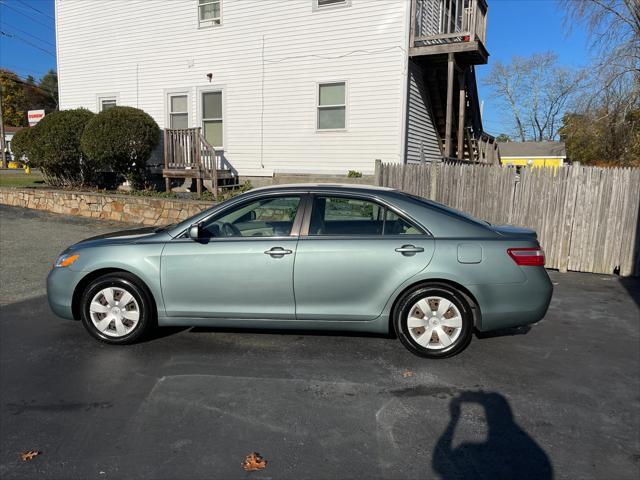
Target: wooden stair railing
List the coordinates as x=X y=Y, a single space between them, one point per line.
x=188 y=154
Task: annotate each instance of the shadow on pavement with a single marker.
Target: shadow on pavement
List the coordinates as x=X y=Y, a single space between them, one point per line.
x=632 y=284
x=508 y=452
x=504 y=332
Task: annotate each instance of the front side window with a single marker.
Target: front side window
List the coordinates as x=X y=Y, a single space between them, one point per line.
x=268 y=217
x=332 y=106
x=178 y=111
x=356 y=217
x=209 y=12
x=212 y=118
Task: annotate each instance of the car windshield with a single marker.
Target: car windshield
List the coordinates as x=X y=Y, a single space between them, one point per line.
x=448 y=209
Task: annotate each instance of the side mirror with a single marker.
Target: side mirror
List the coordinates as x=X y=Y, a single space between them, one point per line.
x=194 y=231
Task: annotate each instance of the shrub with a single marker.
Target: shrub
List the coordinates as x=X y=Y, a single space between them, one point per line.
x=354 y=174
x=124 y=138
x=24 y=145
x=54 y=146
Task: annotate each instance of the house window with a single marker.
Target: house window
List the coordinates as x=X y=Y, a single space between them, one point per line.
x=212 y=118
x=178 y=111
x=105 y=102
x=326 y=4
x=332 y=106
x=209 y=12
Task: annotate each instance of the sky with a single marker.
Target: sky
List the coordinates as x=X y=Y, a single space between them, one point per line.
x=515 y=27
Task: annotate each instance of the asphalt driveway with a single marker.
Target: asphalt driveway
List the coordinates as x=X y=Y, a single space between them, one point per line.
x=559 y=401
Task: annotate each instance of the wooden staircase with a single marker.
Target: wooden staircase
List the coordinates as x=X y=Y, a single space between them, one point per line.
x=189 y=156
x=477 y=145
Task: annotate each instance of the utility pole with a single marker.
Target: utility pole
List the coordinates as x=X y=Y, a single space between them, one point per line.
x=2 y=145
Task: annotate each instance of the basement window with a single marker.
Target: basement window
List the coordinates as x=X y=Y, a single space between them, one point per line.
x=107 y=101
x=209 y=13
x=329 y=4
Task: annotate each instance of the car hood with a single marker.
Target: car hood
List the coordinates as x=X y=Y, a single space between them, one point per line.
x=120 y=237
x=513 y=231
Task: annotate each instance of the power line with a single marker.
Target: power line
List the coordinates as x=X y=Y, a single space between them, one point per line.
x=9 y=35
x=36 y=10
x=25 y=15
x=32 y=36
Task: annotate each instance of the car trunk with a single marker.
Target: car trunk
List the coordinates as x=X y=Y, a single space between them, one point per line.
x=513 y=231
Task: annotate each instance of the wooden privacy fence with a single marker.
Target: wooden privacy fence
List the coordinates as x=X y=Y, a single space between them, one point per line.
x=586 y=217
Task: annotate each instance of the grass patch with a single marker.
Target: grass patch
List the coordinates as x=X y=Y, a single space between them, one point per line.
x=21 y=179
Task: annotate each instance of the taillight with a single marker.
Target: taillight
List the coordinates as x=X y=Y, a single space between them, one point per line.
x=531 y=257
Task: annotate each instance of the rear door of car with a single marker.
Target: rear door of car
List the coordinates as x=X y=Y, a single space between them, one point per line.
x=354 y=251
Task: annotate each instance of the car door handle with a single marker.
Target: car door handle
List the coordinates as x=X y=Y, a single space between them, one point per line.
x=408 y=250
x=278 y=252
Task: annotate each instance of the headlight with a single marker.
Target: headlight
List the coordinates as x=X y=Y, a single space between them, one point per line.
x=66 y=260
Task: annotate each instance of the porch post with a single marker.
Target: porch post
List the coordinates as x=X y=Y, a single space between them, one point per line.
x=412 y=29
x=449 y=117
x=461 y=112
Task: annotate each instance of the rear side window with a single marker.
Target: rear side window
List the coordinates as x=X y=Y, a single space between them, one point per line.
x=347 y=216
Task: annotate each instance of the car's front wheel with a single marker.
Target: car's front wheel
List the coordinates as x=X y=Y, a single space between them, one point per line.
x=116 y=308
x=434 y=321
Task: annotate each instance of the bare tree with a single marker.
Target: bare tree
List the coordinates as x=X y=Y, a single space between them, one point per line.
x=536 y=91
x=614 y=29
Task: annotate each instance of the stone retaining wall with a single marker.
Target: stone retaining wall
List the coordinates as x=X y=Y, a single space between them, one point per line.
x=120 y=208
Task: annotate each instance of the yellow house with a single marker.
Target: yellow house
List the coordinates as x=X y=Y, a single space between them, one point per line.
x=533 y=154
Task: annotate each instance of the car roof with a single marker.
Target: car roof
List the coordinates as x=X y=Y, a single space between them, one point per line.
x=323 y=186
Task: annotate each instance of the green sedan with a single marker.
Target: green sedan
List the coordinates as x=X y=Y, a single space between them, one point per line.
x=317 y=257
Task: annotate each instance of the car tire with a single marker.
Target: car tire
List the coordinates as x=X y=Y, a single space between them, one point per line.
x=433 y=333
x=108 y=318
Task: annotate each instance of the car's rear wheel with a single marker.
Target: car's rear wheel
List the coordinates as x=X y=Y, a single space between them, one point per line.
x=434 y=321
x=117 y=309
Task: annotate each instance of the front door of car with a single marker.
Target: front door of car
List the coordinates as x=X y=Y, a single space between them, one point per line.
x=353 y=254
x=241 y=266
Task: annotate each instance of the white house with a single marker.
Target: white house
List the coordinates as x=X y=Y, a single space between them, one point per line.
x=286 y=86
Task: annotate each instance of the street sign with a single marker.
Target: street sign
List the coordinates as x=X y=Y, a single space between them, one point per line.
x=35 y=116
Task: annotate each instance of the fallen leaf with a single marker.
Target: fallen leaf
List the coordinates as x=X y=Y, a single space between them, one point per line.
x=407 y=373
x=30 y=455
x=254 y=462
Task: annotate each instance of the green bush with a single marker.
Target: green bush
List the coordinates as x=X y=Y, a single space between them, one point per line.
x=354 y=174
x=123 y=138
x=54 y=146
x=24 y=145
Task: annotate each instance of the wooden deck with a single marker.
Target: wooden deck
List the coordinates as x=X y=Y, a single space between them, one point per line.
x=441 y=27
x=188 y=155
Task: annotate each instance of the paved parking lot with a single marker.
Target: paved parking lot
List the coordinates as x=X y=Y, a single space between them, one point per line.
x=559 y=401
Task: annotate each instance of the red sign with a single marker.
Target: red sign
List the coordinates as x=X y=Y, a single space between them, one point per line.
x=35 y=116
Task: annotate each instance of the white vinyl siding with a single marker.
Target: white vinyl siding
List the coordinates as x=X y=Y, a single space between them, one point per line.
x=332 y=106
x=422 y=138
x=269 y=57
